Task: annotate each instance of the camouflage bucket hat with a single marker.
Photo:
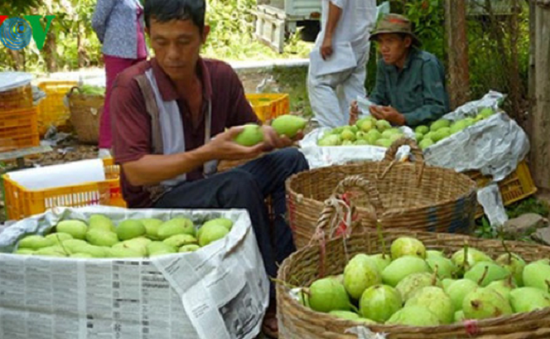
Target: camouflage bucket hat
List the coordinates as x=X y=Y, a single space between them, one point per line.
x=394 y=23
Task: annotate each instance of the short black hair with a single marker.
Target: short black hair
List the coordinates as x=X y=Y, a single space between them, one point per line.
x=167 y=10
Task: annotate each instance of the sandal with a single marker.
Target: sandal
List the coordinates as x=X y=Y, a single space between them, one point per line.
x=269 y=325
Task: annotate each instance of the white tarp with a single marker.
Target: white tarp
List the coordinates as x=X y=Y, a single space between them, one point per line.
x=220 y=291
x=68 y=174
x=493 y=146
x=323 y=156
x=12 y=80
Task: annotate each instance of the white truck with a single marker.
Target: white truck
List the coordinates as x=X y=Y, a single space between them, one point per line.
x=277 y=19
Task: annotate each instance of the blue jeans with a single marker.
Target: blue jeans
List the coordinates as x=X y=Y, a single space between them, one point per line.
x=247 y=186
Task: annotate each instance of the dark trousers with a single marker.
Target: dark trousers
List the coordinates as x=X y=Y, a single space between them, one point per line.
x=246 y=187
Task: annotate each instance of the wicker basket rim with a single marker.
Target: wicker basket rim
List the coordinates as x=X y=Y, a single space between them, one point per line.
x=472 y=189
x=335 y=168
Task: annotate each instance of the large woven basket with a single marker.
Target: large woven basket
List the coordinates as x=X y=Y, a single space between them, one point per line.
x=86 y=110
x=330 y=257
x=414 y=196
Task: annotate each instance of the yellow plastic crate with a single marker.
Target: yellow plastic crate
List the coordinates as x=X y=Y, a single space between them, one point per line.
x=21 y=202
x=515 y=187
x=17 y=98
x=269 y=106
x=18 y=129
x=51 y=109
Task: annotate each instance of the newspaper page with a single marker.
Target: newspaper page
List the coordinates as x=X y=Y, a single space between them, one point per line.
x=219 y=291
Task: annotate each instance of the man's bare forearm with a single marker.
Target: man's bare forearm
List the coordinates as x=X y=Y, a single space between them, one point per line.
x=152 y=169
x=334 y=14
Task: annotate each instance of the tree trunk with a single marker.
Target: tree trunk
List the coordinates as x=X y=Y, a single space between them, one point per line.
x=514 y=82
x=496 y=33
x=540 y=126
x=50 y=48
x=79 y=48
x=531 y=89
x=18 y=58
x=457 y=42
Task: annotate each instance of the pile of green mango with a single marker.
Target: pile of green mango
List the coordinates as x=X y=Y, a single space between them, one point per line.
x=287 y=125
x=92 y=90
x=416 y=286
x=130 y=238
x=443 y=128
x=366 y=131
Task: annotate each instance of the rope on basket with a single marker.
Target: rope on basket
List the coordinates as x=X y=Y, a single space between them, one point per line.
x=471 y=327
x=339 y=216
x=336 y=212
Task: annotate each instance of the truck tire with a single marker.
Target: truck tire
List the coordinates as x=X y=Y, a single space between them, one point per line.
x=310 y=30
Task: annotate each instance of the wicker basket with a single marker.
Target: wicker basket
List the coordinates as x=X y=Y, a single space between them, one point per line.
x=86 y=110
x=414 y=196
x=316 y=261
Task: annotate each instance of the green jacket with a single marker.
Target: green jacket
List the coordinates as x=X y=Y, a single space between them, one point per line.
x=417 y=91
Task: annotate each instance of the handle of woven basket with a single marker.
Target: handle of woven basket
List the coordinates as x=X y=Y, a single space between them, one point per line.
x=390 y=157
x=367 y=186
x=72 y=90
x=391 y=153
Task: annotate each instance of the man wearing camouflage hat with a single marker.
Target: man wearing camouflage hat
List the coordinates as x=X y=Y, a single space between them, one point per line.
x=410 y=83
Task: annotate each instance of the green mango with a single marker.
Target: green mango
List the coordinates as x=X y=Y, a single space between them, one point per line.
x=189 y=248
x=383 y=142
x=35 y=242
x=251 y=135
x=289 y=125
x=422 y=129
x=425 y=143
x=100 y=237
x=486 y=112
x=76 y=228
x=175 y=226
x=102 y=222
x=458 y=126
x=160 y=248
x=152 y=226
x=438 y=124
x=58 y=238
x=130 y=228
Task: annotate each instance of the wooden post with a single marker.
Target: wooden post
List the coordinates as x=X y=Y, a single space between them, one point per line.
x=457 y=47
x=515 y=87
x=540 y=91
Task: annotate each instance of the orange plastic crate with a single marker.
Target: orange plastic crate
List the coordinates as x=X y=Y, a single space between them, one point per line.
x=269 y=106
x=52 y=110
x=18 y=129
x=21 y=203
x=17 y=98
x=516 y=186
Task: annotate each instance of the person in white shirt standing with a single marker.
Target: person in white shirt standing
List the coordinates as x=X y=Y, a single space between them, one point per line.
x=338 y=62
